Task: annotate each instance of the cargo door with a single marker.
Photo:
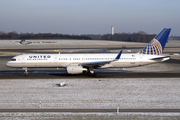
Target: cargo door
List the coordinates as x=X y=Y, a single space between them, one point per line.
x=141 y=58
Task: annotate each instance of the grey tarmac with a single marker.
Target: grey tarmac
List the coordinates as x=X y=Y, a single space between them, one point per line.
x=92 y=110
x=61 y=74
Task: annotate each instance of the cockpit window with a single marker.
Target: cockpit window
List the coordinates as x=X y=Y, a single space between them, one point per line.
x=13 y=59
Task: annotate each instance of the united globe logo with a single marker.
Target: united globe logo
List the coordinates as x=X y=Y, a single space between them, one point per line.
x=153 y=48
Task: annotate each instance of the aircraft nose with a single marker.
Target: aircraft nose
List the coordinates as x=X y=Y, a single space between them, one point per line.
x=7 y=64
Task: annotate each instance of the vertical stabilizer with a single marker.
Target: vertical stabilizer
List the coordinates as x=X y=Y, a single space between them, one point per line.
x=156 y=46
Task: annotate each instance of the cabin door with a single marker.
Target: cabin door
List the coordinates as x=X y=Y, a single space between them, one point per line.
x=55 y=59
x=23 y=60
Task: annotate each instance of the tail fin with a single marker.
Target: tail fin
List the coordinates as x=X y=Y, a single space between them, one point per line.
x=156 y=46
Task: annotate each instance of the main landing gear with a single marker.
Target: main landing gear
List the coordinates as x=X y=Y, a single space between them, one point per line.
x=26 y=72
x=91 y=72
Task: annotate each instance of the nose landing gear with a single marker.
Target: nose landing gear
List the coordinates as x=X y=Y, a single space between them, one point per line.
x=26 y=72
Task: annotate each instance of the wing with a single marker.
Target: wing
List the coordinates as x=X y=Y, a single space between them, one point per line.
x=100 y=63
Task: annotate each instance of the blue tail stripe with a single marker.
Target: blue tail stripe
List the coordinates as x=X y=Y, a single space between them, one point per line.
x=151 y=50
x=163 y=36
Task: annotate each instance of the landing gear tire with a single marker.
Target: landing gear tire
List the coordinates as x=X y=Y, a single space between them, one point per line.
x=92 y=74
x=26 y=72
x=26 y=75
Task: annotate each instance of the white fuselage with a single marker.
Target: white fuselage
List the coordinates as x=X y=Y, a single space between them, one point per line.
x=62 y=60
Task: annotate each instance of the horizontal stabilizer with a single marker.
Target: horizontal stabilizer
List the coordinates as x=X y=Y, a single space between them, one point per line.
x=164 y=58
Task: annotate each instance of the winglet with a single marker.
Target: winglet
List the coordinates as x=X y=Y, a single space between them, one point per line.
x=119 y=55
x=103 y=51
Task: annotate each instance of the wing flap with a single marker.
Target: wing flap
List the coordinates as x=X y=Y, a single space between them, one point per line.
x=95 y=64
x=100 y=63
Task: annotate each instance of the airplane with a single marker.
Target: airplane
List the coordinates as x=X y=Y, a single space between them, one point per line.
x=86 y=63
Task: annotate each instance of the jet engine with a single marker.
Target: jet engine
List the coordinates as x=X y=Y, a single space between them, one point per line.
x=75 y=69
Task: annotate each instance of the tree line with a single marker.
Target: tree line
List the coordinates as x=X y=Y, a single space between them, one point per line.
x=128 y=37
x=15 y=35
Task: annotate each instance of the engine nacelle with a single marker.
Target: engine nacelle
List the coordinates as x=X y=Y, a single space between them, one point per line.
x=75 y=69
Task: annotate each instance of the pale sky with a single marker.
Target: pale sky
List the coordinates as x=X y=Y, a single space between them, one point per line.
x=89 y=16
